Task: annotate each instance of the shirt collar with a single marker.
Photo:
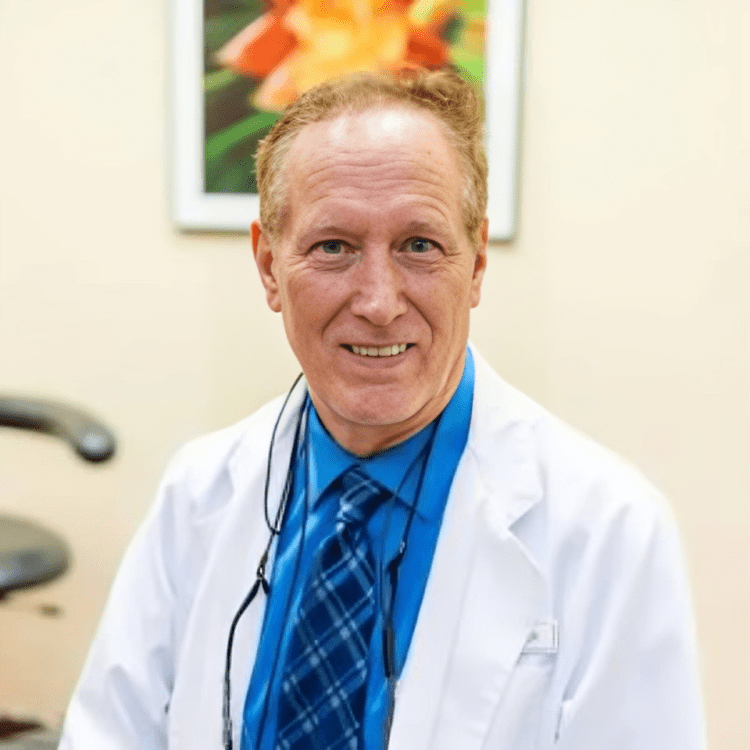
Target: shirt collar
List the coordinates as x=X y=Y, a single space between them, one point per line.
x=329 y=460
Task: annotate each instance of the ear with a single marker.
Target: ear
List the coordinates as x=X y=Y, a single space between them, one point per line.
x=480 y=261
x=264 y=259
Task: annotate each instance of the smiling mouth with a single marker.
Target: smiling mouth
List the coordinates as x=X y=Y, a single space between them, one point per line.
x=377 y=351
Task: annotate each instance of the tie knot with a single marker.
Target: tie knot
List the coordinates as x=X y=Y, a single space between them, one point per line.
x=359 y=497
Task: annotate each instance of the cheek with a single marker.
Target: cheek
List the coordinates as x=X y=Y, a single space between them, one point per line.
x=294 y=293
x=449 y=304
x=307 y=308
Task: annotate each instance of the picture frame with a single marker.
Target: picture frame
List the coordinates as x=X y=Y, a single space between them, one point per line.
x=194 y=209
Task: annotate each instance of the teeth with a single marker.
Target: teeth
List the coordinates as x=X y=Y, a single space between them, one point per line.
x=383 y=351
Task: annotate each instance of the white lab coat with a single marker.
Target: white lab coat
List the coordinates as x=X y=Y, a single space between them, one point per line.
x=556 y=614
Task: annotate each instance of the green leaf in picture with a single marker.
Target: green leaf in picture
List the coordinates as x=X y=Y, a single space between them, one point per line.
x=233 y=178
x=451 y=32
x=219 y=143
x=473 y=7
x=470 y=65
x=226 y=100
x=218 y=80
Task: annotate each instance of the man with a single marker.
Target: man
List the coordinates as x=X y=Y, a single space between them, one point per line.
x=440 y=564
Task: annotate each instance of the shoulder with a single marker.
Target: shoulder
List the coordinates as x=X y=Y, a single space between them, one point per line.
x=603 y=516
x=597 y=530
x=203 y=472
x=207 y=485
x=578 y=485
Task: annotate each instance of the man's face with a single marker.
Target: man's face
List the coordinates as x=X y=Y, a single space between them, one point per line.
x=374 y=273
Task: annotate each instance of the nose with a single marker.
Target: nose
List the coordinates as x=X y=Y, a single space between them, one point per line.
x=378 y=287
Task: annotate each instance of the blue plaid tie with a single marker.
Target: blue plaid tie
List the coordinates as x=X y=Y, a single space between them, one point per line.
x=322 y=701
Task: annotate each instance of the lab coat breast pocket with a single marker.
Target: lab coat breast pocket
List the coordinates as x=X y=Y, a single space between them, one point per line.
x=520 y=717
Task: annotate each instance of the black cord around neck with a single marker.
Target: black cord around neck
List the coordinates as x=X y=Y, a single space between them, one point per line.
x=275 y=528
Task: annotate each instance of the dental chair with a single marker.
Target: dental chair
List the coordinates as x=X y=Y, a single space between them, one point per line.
x=30 y=554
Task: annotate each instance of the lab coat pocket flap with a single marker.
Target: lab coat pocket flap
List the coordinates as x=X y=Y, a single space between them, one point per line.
x=543 y=638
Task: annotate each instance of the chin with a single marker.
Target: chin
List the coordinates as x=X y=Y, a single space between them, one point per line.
x=377 y=417
x=374 y=409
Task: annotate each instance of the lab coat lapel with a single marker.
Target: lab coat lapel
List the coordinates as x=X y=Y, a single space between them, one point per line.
x=484 y=592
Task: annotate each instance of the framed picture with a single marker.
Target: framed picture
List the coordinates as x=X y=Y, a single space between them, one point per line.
x=238 y=63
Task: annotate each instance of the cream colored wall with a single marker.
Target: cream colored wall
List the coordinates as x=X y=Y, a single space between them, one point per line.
x=622 y=306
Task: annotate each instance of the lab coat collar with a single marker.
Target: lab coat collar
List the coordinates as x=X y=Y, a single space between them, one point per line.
x=503 y=439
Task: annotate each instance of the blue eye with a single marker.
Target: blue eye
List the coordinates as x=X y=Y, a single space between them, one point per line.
x=331 y=247
x=418 y=245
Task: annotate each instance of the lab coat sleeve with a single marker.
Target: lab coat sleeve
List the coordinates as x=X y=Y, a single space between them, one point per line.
x=630 y=665
x=122 y=699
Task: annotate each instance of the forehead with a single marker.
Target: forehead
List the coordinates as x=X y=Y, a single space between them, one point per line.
x=387 y=160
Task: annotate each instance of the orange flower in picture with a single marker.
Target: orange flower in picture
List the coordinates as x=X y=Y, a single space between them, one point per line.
x=297 y=45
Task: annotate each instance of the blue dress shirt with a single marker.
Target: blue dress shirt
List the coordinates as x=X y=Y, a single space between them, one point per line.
x=310 y=519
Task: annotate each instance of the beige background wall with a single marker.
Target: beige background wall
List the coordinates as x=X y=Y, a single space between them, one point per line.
x=622 y=305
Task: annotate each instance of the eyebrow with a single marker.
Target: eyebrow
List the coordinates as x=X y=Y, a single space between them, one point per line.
x=417 y=227
x=332 y=229
x=425 y=227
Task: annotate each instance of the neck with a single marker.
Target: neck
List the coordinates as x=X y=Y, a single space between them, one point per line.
x=365 y=443
x=364 y=439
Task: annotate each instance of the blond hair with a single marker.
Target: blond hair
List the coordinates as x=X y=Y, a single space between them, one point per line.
x=444 y=94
